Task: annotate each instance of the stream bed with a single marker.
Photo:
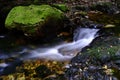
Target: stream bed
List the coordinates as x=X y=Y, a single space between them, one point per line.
x=100 y=60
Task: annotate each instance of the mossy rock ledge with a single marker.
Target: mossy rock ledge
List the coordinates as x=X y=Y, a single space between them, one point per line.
x=35 y=20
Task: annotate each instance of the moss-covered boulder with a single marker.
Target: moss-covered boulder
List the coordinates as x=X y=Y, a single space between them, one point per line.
x=101 y=58
x=105 y=47
x=35 y=20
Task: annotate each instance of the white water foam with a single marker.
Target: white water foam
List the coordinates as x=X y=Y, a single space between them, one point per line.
x=82 y=38
x=62 y=52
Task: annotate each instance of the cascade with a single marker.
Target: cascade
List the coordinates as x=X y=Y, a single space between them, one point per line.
x=61 y=52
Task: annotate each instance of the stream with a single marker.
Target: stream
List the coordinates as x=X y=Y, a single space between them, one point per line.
x=61 y=52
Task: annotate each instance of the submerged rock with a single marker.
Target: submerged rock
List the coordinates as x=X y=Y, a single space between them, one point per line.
x=35 y=20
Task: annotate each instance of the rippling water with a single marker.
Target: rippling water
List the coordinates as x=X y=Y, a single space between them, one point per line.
x=61 y=52
x=65 y=51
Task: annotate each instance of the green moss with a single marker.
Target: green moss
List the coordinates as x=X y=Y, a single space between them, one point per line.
x=106 y=47
x=30 y=15
x=62 y=7
x=100 y=52
x=27 y=18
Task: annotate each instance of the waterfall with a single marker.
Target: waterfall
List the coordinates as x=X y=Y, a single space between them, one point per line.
x=62 y=52
x=66 y=51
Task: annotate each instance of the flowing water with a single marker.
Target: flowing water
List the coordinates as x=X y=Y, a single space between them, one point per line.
x=65 y=51
x=61 y=52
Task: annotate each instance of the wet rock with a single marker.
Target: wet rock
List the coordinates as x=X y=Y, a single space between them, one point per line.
x=110 y=22
x=10 y=67
x=35 y=20
x=104 y=18
x=109 y=26
x=42 y=71
x=105 y=7
x=97 y=61
x=5 y=7
x=118 y=53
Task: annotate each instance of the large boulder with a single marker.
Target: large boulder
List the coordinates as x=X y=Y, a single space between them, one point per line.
x=35 y=20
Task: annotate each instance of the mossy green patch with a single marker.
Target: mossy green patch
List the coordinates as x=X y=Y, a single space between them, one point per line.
x=106 y=47
x=28 y=18
x=62 y=7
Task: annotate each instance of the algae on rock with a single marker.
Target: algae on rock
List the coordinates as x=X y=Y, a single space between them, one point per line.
x=35 y=20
